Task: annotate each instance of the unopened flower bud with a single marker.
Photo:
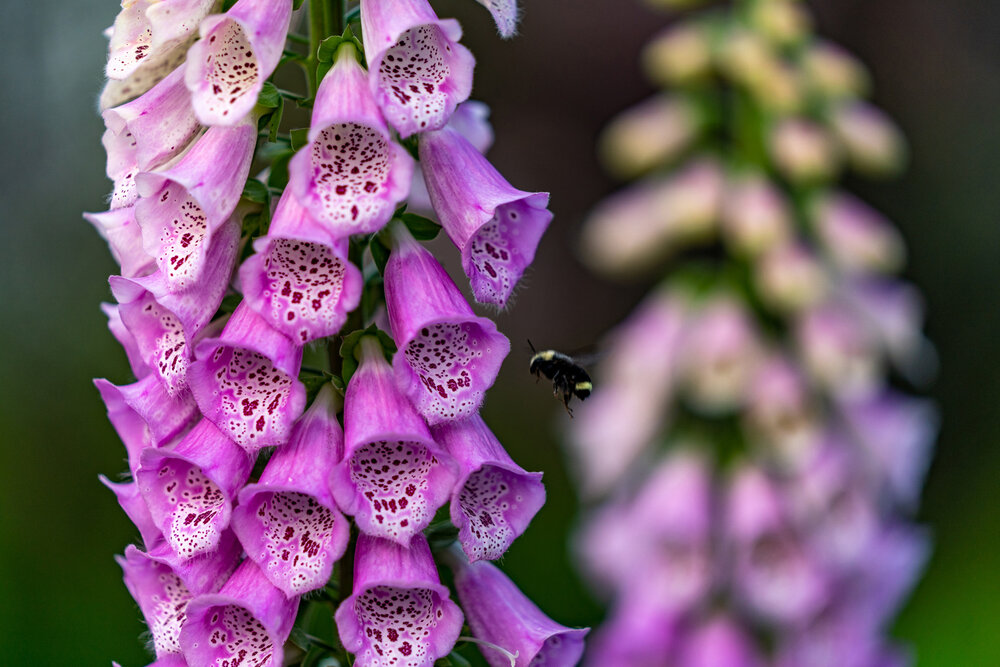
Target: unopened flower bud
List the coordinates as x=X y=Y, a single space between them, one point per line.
x=649 y=134
x=833 y=72
x=872 y=142
x=803 y=151
x=755 y=216
x=790 y=277
x=857 y=238
x=678 y=55
x=782 y=22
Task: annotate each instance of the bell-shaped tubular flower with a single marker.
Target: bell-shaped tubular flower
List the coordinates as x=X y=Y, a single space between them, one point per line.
x=190 y=488
x=720 y=353
x=494 y=499
x=288 y=521
x=842 y=637
x=781 y=415
x=132 y=503
x=896 y=434
x=637 y=632
x=495 y=226
x=351 y=175
x=148 y=131
x=636 y=380
x=298 y=279
x=125 y=338
x=500 y=614
x=148 y=40
x=448 y=357
x=164 y=324
x=238 y=50
x=162 y=587
x=471 y=120
x=246 y=381
x=419 y=72
x=398 y=614
x=719 y=641
x=856 y=237
x=839 y=350
x=504 y=14
x=658 y=544
x=393 y=476
x=145 y=410
x=245 y=623
x=775 y=577
x=119 y=228
x=181 y=207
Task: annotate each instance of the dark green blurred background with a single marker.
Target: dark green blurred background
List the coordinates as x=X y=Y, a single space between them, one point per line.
x=937 y=71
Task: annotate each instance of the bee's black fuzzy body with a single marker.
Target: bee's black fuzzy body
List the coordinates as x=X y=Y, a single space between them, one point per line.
x=569 y=378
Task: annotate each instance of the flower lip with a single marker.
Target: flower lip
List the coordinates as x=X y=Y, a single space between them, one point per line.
x=494 y=499
x=447 y=356
x=351 y=175
x=394 y=475
x=383 y=568
x=255 y=617
x=419 y=72
x=496 y=227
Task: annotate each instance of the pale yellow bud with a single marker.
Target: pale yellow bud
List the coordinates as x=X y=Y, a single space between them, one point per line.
x=782 y=22
x=790 y=278
x=647 y=135
x=678 y=55
x=804 y=151
x=833 y=72
x=872 y=142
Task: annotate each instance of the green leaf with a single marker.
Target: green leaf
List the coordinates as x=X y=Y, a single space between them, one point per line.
x=276 y=120
x=371 y=297
x=422 y=229
x=349 y=347
x=380 y=252
x=256 y=192
x=269 y=97
x=277 y=177
x=230 y=302
x=227 y=5
x=296 y=4
x=353 y=15
x=299 y=137
x=441 y=534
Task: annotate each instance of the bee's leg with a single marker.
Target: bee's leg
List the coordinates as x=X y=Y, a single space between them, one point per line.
x=567 y=396
x=557 y=384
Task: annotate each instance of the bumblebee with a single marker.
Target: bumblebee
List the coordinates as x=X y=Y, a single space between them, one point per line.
x=568 y=377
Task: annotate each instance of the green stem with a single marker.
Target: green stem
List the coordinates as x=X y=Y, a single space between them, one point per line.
x=317 y=34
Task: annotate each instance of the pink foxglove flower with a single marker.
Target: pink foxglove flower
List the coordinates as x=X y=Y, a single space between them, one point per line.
x=495 y=226
x=246 y=381
x=237 y=52
x=856 y=237
x=148 y=131
x=500 y=614
x=447 y=356
x=164 y=324
x=148 y=400
x=298 y=280
x=494 y=499
x=720 y=641
x=419 y=72
x=471 y=120
x=148 y=41
x=119 y=228
x=163 y=591
x=351 y=175
x=132 y=503
x=393 y=476
x=246 y=622
x=398 y=612
x=288 y=521
x=775 y=577
x=191 y=486
x=504 y=14
x=182 y=206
